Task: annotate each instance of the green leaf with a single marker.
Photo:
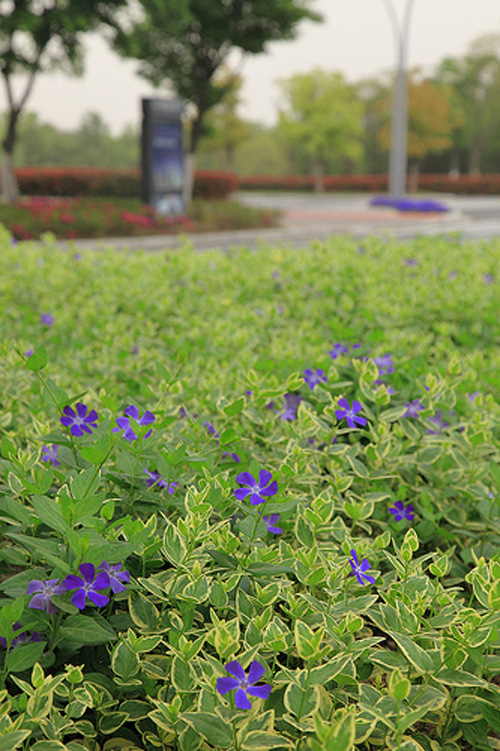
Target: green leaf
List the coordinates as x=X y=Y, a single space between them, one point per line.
x=183 y=677
x=38 y=359
x=174 y=547
x=494 y=596
x=418 y=657
x=214 y=730
x=458 y=678
x=299 y=704
x=109 y=723
x=97 y=453
x=144 y=614
x=124 y=662
x=227 y=436
x=82 y=629
x=13 y=739
x=49 y=746
x=24 y=656
x=260 y=740
x=234 y=408
x=49 y=512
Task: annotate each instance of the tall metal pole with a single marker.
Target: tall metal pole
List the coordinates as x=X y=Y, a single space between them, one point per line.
x=399 y=120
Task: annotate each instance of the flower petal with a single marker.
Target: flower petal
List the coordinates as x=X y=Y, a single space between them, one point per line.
x=78 y=599
x=245 y=478
x=241 y=493
x=226 y=684
x=81 y=410
x=97 y=599
x=87 y=570
x=147 y=418
x=73 y=582
x=69 y=412
x=264 y=477
x=355 y=557
x=262 y=692
x=132 y=411
x=37 y=602
x=35 y=585
x=255 y=672
x=235 y=669
x=101 y=581
x=271 y=489
x=76 y=430
x=343 y=403
x=241 y=700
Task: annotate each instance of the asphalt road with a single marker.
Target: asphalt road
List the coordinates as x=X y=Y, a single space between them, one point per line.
x=308 y=217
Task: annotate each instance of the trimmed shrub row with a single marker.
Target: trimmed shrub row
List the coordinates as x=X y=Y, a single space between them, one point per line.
x=94 y=181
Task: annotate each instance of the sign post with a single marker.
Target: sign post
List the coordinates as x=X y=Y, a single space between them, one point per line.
x=162 y=159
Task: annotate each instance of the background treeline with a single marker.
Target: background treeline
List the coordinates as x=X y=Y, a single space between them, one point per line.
x=325 y=126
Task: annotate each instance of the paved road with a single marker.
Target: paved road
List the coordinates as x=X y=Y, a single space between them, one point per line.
x=307 y=217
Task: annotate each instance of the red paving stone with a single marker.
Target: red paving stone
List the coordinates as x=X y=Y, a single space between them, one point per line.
x=360 y=216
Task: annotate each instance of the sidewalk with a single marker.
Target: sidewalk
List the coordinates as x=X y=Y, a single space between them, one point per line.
x=299 y=228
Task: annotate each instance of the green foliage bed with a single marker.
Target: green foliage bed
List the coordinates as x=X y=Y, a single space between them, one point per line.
x=375 y=611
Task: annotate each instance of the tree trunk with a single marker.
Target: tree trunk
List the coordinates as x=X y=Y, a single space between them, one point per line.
x=319 y=176
x=189 y=164
x=10 y=191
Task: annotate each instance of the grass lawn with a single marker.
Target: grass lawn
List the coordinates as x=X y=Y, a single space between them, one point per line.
x=250 y=500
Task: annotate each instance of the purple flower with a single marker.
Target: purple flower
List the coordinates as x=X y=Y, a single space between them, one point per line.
x=211 y=430
x=135 y=349
x=23 y=637
x=438 y=423
x=117 y=578
x=292 y=402
x=49 y=454
x=411 y=261
x=46 y=319
x=79 y=421
x=154 y=478
x=314 y=378
x=452 y=274
x=270 y=522
x=88 y=586
x=359 y=569
x=338 y=349
x=256 y=489
x=350 y=413
x=42 y=592
x=400 y=511
x=488 y=278
x=234 y=457
x=77 y=256
x=124 y=422
x=385 y=364
x=413 y=408
x=243 y=684
x=29 y=353
x=472 y=397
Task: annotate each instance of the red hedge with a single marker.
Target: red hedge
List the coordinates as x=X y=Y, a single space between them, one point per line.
x=94 y=181
x=465 y=184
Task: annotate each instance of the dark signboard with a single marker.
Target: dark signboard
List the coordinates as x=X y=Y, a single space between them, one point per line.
x=162 y=155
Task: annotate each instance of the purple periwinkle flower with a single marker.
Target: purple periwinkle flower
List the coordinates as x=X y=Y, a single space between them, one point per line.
x=350 y=413
x=234 y=457
x=411 y=261
x=123 y=423
x=211 y=430
x=472 y=397
x=385 y=364
x=154 y=478
x=314 y=378
x=359 y=569
x=23 y=637
x=400 y=511
x=244 y=684
x=88 y=586
x=117 y=577
x=438 y=424
x=270 y=522
x=49 y=454
x=338 y=349
x=452 y=274
x=29 y=353
x=413 y=408
x=292 y=402
x=256 y=490
x=488 y=278
x=46 y=319
x=80 y=421
x=42 y=592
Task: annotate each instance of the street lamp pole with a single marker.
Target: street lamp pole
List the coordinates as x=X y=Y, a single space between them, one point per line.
x=399 y=119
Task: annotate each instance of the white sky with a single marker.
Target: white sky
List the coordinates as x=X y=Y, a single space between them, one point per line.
x=355 y=38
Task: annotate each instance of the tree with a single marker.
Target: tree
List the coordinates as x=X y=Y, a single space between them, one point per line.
x=186 y=59
x=431 y=120
x=224 y=128
x=323 y=116
x=38 y=36
x=474 y=82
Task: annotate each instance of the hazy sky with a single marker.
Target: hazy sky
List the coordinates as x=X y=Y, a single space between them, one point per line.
x=355 y=38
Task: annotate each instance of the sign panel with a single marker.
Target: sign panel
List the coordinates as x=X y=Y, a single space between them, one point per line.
x=162 y=156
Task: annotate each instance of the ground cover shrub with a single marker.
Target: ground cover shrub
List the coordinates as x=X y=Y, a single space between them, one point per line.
x=72 y=218
x=253 y=478
x=125 y=183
